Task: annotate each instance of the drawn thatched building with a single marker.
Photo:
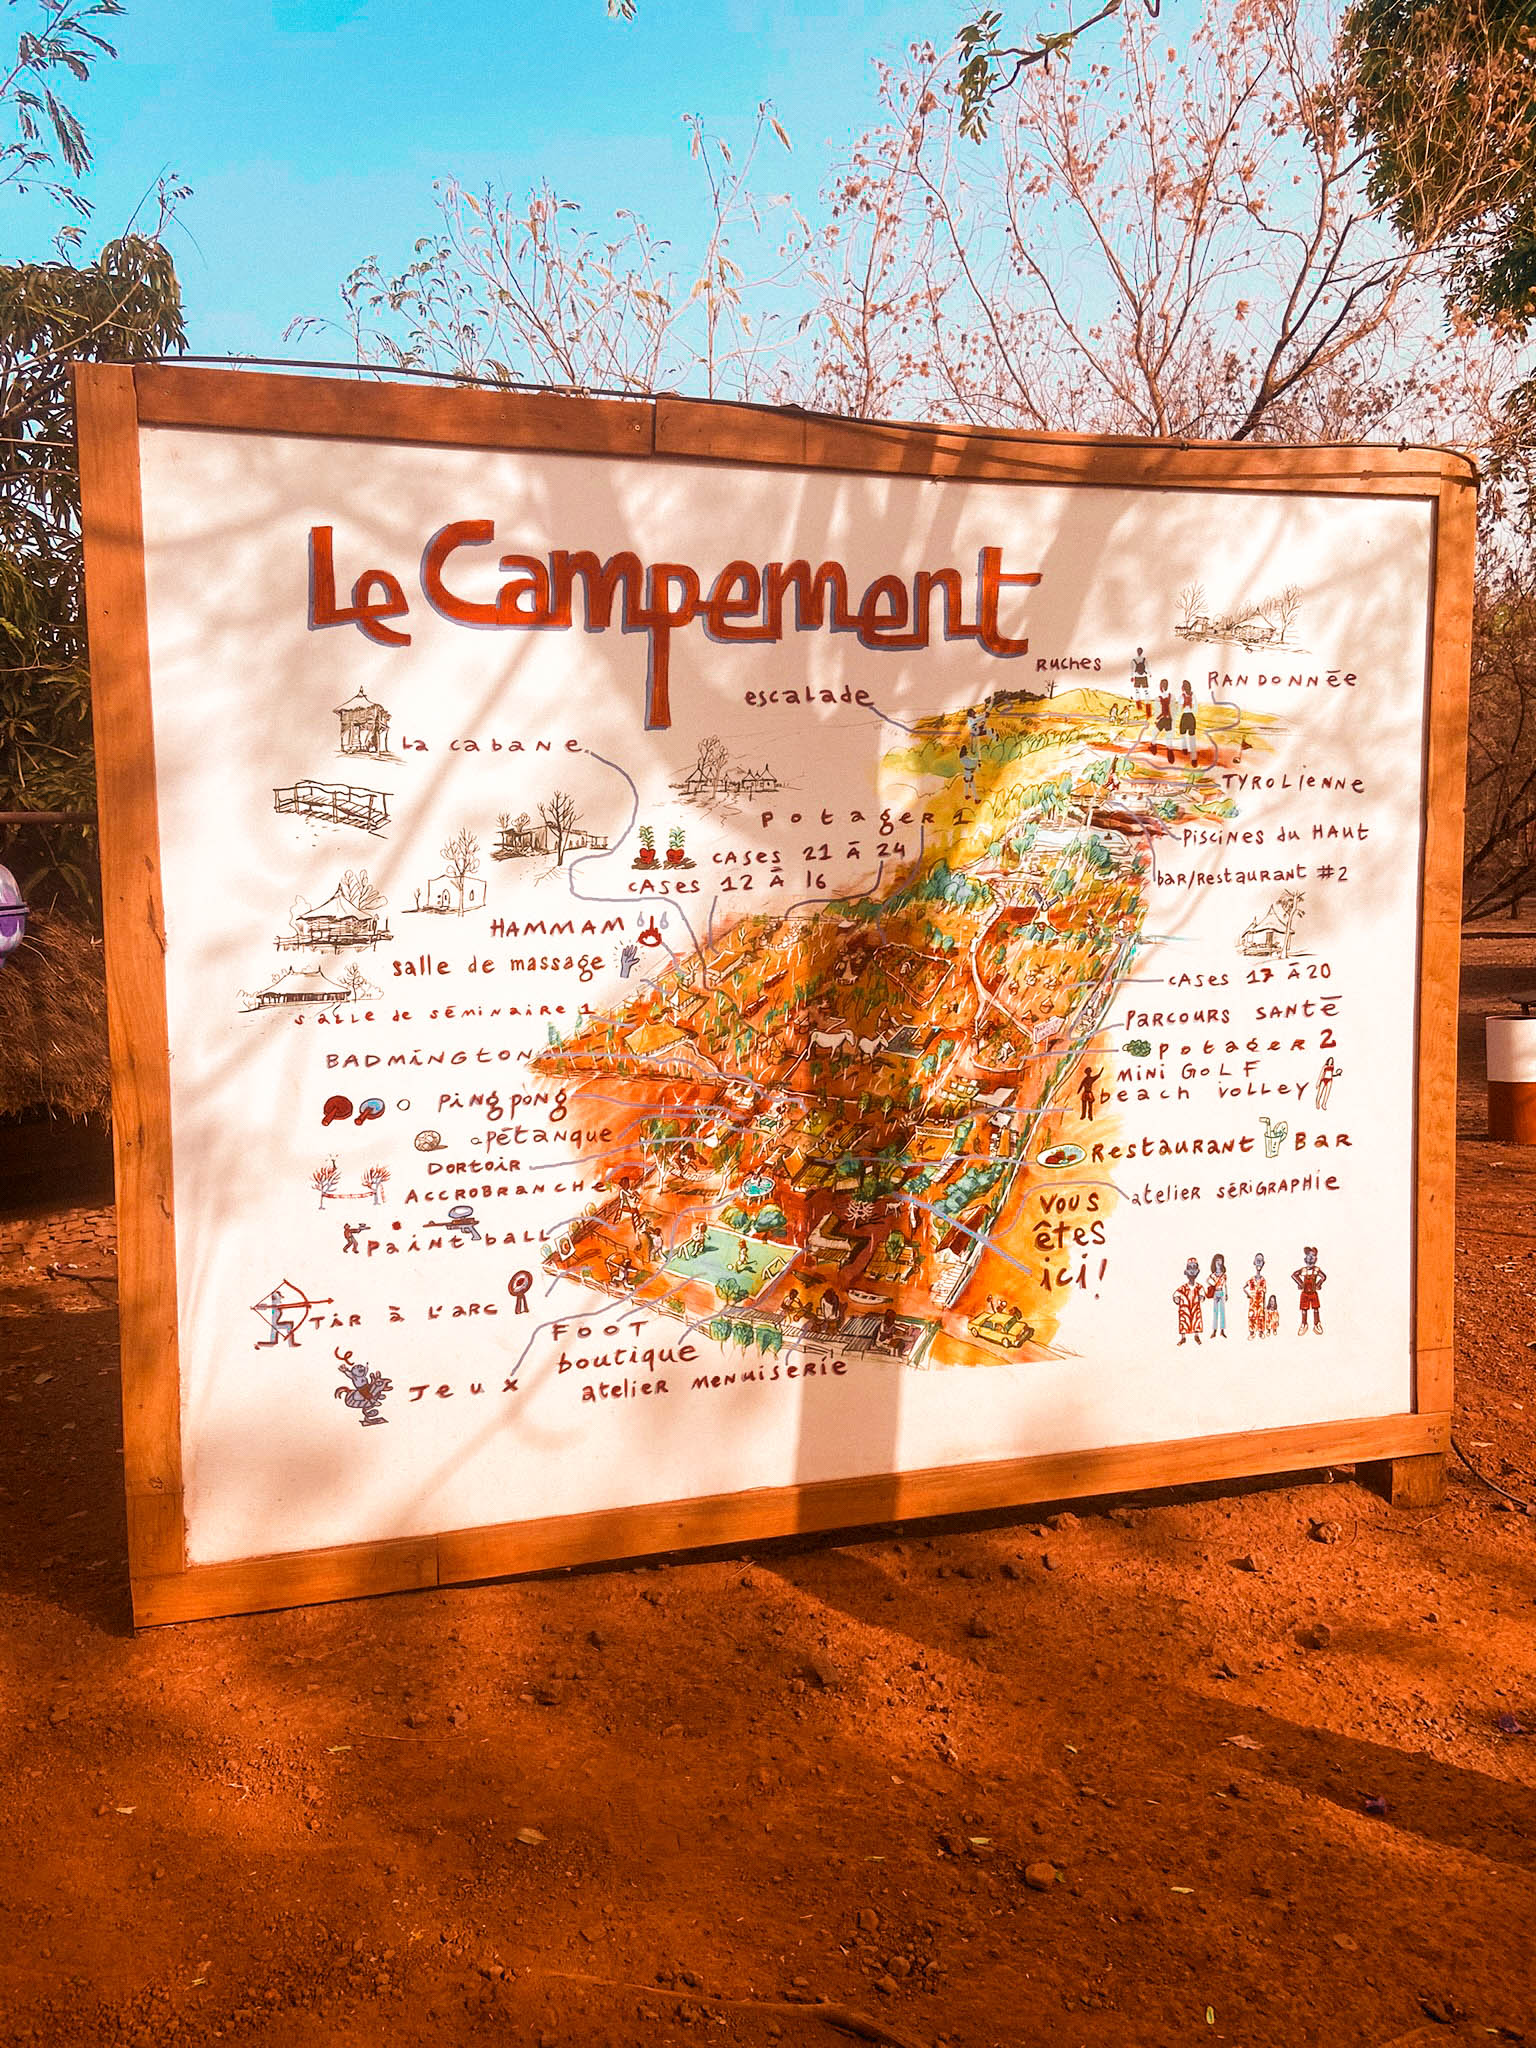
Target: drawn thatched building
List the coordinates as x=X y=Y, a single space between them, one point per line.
x=298 y=985
x=334 y=924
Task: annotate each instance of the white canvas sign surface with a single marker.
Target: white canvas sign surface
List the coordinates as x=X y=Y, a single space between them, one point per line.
x=915 y=1051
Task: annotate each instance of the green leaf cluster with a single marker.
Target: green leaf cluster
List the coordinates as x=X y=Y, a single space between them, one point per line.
x=1444 y=93
x=123 y=307
x=43 y=148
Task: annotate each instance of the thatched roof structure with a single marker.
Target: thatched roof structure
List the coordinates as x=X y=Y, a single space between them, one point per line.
x=53 y=1021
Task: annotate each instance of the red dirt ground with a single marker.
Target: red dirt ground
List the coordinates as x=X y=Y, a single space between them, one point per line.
x=1247 y=1741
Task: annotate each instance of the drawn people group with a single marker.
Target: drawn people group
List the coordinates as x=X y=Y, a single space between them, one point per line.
x=1193 y=1294
x=1163 y=722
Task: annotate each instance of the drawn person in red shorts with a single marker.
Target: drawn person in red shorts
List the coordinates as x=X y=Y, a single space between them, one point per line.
x=1189 y=1300
x=1163 y=724
x=1311 y=1279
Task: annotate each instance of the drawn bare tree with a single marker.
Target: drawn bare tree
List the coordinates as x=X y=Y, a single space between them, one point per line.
x=1281 y=609
x=375 y=1180
x=560 y=821
x=461 y=856
x=1191 y=603
x=324 y=1180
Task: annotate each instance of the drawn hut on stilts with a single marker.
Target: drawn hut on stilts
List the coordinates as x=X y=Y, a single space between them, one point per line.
x=364 y=726
x=1269 y=936
x=336 y=923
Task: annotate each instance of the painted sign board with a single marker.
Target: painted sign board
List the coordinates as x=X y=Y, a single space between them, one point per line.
x=681 y=972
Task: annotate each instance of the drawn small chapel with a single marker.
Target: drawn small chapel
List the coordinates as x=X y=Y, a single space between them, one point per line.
x=364 y=726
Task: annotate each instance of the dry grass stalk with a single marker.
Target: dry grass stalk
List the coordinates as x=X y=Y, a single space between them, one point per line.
x=53 y=1021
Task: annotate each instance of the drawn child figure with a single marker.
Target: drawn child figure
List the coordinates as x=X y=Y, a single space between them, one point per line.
x=1310 y=1278
x=1216 y=1293
x=1272 y=1317
x=1187 y=735
x=1189 y=1300
x=1164 y=720
x=1254 y=1288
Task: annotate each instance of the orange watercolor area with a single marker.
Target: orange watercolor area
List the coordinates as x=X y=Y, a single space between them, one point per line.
x=1049 y=1247
x=811 y=1125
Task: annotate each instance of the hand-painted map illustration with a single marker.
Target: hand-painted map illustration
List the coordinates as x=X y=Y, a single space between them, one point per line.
x=835 y=1121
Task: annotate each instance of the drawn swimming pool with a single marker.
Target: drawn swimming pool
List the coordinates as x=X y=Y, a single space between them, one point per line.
x=721 y=1259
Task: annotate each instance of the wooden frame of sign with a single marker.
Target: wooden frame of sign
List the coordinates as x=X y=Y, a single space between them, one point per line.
x=114 y=402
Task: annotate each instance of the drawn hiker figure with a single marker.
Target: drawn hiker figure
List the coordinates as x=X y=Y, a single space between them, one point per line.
x=970 y=761
x=1216 y=1294
x=1141 y=688
x=1164 y=721
x=1091 y=1076
x=1254 y=1287
x=1189 y=1300
x=1311 y=1279
x=1188 y=736
x=1325 y=1081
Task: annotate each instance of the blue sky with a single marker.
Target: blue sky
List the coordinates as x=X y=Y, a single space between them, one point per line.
x=311 y=130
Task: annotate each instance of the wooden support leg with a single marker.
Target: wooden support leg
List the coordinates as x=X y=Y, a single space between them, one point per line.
x=1406 y=1482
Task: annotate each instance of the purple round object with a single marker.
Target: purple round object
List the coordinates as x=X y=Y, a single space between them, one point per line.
x=13 y=914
